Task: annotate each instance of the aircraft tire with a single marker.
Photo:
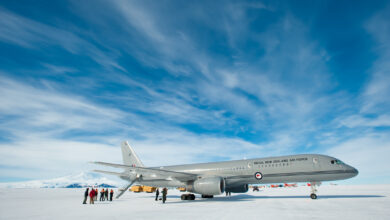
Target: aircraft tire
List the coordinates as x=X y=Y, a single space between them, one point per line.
x=313 y=196
x=187 y=197
x=208 y=196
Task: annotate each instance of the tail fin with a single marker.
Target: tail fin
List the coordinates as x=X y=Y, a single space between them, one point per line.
x=129 y=156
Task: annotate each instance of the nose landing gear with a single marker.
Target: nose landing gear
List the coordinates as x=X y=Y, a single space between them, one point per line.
x=313 y=186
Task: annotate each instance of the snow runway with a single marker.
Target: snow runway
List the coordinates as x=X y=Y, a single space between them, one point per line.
x=341 y=202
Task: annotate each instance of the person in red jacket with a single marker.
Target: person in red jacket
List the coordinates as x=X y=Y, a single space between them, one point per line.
x=92 y=196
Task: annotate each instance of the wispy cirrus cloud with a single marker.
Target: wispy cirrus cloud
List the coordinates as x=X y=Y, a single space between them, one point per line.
x=367 y=142
x=22 y=31
x=68 y=130
x=207 y=82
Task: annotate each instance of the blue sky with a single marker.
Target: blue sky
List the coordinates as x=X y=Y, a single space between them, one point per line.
x=188 y=82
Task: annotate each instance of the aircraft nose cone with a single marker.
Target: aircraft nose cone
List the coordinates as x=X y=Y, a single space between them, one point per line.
x=355 y=171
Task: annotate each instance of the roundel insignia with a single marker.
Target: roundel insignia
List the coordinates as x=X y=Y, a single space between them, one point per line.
x=258 y=175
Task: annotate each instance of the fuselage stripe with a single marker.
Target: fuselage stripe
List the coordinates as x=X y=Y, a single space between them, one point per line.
x=295 y=174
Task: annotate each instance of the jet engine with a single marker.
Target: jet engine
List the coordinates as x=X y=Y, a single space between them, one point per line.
x=237 y=188
x=207 y=186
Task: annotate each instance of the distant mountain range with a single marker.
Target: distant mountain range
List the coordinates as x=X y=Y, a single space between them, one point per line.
x=84 y=179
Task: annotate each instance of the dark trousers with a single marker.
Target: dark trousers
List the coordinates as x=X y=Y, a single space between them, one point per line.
x=111 y=196
x=156 y=197
x=85 y=199
x=164 y=198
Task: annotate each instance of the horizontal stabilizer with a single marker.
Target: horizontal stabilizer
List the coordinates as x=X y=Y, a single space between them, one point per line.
x=109 y=172
x=113 y=165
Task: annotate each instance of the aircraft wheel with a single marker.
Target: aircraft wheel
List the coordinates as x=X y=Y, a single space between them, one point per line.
x=192 y=197
x=184 y=197
x=313 y=196
x=208 y=196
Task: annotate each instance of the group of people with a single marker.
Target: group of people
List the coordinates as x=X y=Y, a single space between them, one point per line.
x=93 y=194
x=164 y=194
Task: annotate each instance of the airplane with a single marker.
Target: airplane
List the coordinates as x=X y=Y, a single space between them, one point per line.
x=215 y=178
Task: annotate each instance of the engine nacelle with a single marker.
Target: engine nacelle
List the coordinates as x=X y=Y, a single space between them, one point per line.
x=237 y=188
x=208 y=186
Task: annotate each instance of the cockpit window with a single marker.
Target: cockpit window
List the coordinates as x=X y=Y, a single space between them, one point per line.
x=336 y=161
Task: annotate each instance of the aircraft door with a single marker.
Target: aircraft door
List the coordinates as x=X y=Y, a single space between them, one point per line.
x=250 y=167
x=316 y=163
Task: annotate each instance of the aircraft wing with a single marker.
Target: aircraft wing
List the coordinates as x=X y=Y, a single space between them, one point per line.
x=153 y=173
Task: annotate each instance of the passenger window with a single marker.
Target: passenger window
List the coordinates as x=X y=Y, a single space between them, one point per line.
x=332 y=162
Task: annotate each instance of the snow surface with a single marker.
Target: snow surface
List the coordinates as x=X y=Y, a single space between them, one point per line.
x=84 y=179
x=334 y=202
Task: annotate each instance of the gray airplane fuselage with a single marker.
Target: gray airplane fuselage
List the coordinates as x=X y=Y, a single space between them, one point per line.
x=293 y=168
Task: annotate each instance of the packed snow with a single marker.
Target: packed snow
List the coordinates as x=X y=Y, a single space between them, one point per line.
x=334 y=202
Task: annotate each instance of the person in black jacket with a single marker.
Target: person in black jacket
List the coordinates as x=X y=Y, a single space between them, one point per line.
x=86 y=196
x=102 y=195
x=111 y=194
x=106 y=194
x=164 y=192
x=157 y=193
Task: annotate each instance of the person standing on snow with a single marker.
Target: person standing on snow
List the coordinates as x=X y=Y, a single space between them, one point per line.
x=111 y=194
x=86 y=196
x=92 y=196
x=157 y=193
x=106 y=194
x=101 y=195
x=164 y=192
x=96 y=194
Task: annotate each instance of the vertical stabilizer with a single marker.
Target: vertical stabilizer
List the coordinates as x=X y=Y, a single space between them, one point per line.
x=129 y=156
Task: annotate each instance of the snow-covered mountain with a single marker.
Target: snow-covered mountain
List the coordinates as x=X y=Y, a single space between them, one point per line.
x=84 y=179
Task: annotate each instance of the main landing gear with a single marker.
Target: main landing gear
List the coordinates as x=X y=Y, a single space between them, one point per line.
x=208 y=196
x=188 y=196
x=313 y=186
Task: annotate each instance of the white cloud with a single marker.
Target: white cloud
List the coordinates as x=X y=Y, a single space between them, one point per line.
x=368 y=153
x=40 y=117
x=31 y=34
x=284 y=94
x=42 y=157
x=376 y=93
x=360 y=121
x=43 y=108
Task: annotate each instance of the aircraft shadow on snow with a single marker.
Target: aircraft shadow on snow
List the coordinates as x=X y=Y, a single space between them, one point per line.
x=245 y=197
